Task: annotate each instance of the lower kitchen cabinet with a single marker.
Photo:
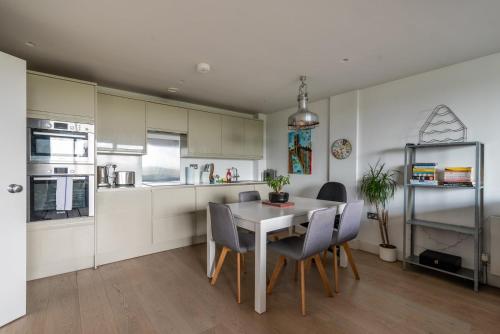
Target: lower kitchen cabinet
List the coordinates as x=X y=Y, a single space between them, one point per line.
x=59 y=246
x=173 y=215
x=123 y=224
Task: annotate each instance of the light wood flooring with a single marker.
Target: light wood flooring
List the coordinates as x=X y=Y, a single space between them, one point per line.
x=169 y=293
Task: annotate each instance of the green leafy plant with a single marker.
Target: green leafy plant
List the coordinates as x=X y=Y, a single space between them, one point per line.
x=278 y=182
x=378 y=186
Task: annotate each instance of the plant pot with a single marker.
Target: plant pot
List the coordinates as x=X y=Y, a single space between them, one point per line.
x=388 y=253
x=278 y=197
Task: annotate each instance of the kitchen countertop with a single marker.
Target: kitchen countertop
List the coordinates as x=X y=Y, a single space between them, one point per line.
x=172 y=186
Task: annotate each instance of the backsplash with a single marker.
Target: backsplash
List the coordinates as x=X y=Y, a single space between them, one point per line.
x=246 y=168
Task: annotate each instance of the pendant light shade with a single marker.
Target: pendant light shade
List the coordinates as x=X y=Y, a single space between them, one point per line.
x=303 y=118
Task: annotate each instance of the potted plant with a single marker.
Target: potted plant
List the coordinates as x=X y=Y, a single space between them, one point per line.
x=378 y=186
x=277 y=184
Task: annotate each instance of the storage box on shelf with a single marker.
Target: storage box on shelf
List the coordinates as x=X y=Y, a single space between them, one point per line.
x=475 y=230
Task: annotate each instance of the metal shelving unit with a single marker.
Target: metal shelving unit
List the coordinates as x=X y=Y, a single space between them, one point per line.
x=409 y=210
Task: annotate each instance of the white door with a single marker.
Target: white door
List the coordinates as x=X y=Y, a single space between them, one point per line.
x=12 y=188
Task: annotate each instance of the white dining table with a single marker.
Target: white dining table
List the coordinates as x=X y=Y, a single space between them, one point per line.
x=262 y=219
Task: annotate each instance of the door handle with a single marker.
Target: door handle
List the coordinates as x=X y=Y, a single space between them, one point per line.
x=14 y=188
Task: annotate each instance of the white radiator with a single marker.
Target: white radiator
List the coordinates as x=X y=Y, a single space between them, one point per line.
x=495 y=245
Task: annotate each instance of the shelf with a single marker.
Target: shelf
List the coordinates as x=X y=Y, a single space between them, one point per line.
x=462 y=272
x=441 y=186
x=442 y=226
x=434 y=145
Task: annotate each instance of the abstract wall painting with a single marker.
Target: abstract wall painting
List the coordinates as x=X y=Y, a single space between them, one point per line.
x=299 y=152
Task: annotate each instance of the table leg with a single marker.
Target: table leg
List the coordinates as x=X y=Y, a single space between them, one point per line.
x=210 y=247
x=260 y=269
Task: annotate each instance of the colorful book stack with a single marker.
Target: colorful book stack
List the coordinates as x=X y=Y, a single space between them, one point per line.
x=461 y=176
x=424 y=174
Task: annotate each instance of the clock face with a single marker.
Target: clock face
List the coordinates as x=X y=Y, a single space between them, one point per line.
x=341 y=149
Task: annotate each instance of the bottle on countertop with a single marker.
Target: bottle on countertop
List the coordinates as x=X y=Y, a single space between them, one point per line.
x=228 y=175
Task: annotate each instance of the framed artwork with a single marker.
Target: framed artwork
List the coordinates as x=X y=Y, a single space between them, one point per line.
x=299 y=152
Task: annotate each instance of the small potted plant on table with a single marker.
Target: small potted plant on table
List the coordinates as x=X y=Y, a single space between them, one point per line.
x=378 y=186
x=277 y=184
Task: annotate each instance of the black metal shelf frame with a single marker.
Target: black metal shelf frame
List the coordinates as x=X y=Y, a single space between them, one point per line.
x=411 y=222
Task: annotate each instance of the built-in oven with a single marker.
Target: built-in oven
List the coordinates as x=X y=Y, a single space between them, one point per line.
x=60 y=142
x=60 y=191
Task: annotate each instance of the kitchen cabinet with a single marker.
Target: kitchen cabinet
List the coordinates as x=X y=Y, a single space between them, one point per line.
x=233 y=138
x=173 y=215
x=57 y=247
x=216 y=194
x=204 y=134
x=253 y=138
x=162 y=117
x=123 y=224
x=48 y=95
x=121 y=125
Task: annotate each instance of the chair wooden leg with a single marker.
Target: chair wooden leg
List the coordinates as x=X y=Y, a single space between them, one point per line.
x=322 y=274
x=302 y=287
x=238 y=277
x=335 y=269
x=347 y=250
x=220 y=262
x=276 y=272
x=244 y=269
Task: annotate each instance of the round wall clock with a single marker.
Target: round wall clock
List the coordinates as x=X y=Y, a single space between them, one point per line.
x=341 y=149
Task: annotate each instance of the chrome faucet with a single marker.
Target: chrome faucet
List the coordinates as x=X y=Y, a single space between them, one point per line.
x=234 y=174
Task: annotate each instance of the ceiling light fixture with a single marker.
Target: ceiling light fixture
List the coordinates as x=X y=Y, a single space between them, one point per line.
x=303 y=118
x=203 y=68
x=30 y=44
x=172 y=89
x=345 y=60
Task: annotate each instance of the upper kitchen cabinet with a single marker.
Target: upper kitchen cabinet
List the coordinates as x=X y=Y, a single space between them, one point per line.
x=162 y=117
x=60 y=98
x=204 y=134
x=253 y=138
x=121 y=125
x=233 y=138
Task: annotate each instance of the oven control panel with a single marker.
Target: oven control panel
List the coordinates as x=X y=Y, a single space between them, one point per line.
x=58 y=169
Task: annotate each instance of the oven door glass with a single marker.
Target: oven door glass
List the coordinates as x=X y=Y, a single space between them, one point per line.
x=58 y=197
x=58 y=146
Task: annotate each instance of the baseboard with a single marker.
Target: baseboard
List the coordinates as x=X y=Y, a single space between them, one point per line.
x=60 y=267
x=493 y=280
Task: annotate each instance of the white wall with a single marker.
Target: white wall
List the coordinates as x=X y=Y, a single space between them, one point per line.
x=380 y=120
x=277 y=149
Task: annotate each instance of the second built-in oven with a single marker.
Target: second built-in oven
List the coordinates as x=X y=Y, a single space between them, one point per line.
x=60 y=191
x=60 y=142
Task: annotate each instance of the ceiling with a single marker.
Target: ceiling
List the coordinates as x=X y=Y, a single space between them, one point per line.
x=257 y=49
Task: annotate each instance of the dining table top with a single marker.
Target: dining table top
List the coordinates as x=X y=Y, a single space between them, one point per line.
x=256 y=211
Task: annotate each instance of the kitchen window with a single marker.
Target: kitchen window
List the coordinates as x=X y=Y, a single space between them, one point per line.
x=162 y=162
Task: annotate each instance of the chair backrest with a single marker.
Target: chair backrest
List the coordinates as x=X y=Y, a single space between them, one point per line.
x=333 y=191
x=350 y=220
x=319 y=232
x=247 y=196
x=224 y=230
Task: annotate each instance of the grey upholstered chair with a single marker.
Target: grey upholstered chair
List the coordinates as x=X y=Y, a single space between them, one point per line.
x=301 y=249
x=247 y=196
x=332 y=191
x=225 y=233
x=348 y=229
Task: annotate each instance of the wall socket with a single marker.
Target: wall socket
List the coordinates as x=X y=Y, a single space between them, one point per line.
x=372 y=215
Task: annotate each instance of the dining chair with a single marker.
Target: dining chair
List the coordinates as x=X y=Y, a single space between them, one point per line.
x=332 y=191
x=316 y=239
x=347 y=230
x=225 y=233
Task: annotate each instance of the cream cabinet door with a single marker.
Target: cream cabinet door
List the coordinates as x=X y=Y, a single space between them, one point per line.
x=121 y=124
x=51 y=94
x=162 y=117
x=123 y=224
x=233 y=139
x=173 y=214
x=216 y=194
x=253 y=138
x=204 y=134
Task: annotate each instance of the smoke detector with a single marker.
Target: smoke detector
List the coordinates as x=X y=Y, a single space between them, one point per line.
x=203 y=68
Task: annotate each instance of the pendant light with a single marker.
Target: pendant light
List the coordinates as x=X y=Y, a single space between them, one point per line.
x=303 y=118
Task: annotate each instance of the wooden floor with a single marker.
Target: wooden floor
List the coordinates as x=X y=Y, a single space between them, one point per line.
x=169 y=293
